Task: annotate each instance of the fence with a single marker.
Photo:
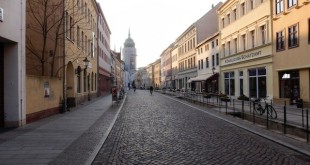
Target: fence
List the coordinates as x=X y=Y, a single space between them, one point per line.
x=290 y=119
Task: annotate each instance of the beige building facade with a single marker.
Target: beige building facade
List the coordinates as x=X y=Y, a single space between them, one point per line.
x=246 y=48
x=186 y=58
x=291 y=38
x=157 y=73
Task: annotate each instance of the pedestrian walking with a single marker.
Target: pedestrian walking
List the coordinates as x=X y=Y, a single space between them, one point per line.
x=151 y=90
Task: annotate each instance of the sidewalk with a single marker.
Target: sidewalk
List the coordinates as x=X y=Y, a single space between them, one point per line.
x=54 y=140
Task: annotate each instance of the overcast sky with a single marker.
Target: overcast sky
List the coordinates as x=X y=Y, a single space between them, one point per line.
x=153 y=24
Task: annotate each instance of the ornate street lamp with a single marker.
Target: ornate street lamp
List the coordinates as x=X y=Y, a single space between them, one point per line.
x=86 y=62
x=213 y=70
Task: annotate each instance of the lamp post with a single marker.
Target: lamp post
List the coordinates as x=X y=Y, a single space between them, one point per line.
x=213 y=70
x=86 y=62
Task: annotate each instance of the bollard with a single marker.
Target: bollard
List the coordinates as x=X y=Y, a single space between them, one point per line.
x=284 y=124
x=226 y=106
x=234 y=106
x=243 y=109
x=267 y=117
x=307 y=125
x=302 y=116
x=253 y=112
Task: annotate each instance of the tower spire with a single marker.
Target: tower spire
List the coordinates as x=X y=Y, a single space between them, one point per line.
x=129 y=33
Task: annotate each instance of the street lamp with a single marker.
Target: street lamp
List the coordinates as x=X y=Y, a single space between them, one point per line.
x=86 y=62
x=213 y=69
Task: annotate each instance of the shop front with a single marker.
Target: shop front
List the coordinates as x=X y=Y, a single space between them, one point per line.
x=248 y=74
x=289 y=85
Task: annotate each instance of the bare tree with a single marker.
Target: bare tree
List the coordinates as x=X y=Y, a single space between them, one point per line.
x=45 y=33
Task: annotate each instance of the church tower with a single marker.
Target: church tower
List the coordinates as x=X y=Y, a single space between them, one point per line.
x=130 y=55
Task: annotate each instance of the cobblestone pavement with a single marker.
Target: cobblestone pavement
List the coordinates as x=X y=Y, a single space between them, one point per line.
x=158 y=130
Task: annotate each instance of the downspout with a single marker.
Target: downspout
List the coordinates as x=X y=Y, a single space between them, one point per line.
x=64 y=106
x=21 y=65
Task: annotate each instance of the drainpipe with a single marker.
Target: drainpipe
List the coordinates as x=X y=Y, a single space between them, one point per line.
x=64 y=106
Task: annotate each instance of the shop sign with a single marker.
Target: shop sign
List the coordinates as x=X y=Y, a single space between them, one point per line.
x=1 y=14
x=242 y=57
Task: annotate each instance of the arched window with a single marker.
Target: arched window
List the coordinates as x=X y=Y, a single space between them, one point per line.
x=78 y=72
x=84 y=77
x=92 y=81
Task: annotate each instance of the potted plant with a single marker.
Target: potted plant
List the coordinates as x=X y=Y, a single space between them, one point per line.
x=225 y=98
x=243 y=97
x=207 y=95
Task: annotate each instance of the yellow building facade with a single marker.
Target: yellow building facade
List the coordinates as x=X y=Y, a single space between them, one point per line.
x=246 y=48
x=291 y=38
x=81 y=45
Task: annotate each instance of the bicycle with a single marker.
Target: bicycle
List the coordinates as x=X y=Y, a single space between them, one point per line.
x=272 y=113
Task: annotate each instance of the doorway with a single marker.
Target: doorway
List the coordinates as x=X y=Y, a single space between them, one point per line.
x=1 y=85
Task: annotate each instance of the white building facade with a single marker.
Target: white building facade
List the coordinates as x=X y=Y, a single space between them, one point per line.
x=12 y=63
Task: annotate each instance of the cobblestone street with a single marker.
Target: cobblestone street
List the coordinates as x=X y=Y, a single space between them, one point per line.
x=158 y=130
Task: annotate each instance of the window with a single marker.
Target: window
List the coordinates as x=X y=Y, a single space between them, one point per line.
x=217 y=59
x=242 y=10
x=280 y=41
x=263 y=31
x=309 y=30
x=85 y=80
x=217 y=42
x=212 y=44
x=291 y=3
x=67 y=25
x=236 y=45
x=228 y=19
x=223 y=48
x=207 y=47
x=78 y=36
x=78 y=79
x=241 y=83
x=213 y=61
x=279 y=6
x=229 y=78
x=207 y=62
x=223 y=23
x=235 y=14
x=252 y=33
x=243 y=40
x=201 y=63
x=257 y=82
x=71 y=29
x=251 y=4
x=228 y=45
x=293 y=36
x=82 y=40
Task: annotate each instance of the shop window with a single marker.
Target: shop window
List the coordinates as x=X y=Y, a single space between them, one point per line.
x=229 y=83
x=257 y=82
x=241 y=83
x=293 y=36
x=280 y=41
x=279 y=6
x=289 y=84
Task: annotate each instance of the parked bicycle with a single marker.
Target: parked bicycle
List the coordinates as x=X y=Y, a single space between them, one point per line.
x=259 y=109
